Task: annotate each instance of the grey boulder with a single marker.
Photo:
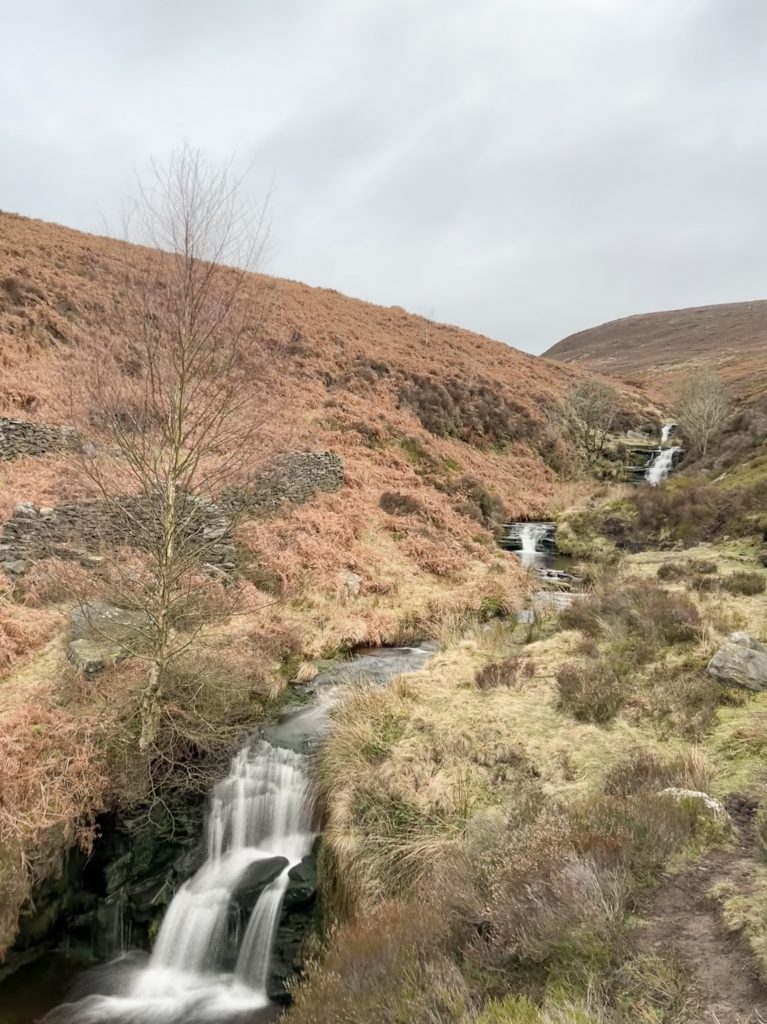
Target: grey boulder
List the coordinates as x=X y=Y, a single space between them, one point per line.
x=741 y=661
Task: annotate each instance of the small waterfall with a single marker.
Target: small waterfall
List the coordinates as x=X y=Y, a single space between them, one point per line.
x=661 y=465
x=531 y=542
x=666 y=431
x=530 y=535
x=260 y=819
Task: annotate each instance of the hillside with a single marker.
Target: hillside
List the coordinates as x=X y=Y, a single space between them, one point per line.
x=654 y=349
x=441 y=436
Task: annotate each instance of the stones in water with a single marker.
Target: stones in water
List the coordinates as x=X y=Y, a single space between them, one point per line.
x=741 y=661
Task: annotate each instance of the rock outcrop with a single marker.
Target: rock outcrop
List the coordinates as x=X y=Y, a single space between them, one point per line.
x=741 y=661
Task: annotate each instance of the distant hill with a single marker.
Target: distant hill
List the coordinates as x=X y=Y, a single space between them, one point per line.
x=655 y=349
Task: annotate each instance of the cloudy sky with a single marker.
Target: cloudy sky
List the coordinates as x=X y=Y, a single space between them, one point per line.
x=526 y=168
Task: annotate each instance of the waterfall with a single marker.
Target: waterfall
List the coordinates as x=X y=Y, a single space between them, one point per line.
x=259 y=819
x=666 y=431
x=530 y=535
x=661 y=465
x=204 y=968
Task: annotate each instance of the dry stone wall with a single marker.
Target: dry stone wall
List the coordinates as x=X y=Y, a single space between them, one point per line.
x=79 y=531
x=19 y=438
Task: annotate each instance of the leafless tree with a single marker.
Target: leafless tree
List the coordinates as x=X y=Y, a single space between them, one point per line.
x=701 y=408
x=591 y=409
x=172 y=407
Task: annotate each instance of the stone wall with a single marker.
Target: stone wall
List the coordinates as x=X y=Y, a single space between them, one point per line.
x=294 y=478
x=22 y=437
x=78 y=531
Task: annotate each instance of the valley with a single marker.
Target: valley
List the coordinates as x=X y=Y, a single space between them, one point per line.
x=462 y=726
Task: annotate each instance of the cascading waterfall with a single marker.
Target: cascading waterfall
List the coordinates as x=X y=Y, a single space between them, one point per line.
x=661 y=465
x=666 y=431
x=261 y=814
x=204 y=969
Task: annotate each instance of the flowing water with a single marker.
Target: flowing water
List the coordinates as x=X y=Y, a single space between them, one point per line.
x=208 y=966
x=661 y=465
x=260 y=817
x=533 y=543
x=666 y=431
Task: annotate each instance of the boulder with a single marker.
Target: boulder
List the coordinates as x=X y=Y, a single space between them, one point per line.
x=707 y=803
x=741 y=661
x=102 y=634
x=258 y=875
x=91 y=656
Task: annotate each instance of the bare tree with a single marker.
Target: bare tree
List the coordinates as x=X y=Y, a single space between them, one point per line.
x=701 y=408
x=591 y=409
x=172 y=405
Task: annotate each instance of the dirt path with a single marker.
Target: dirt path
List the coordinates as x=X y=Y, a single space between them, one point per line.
x=681 y=919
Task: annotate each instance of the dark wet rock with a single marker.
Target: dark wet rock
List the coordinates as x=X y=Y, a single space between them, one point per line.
x=741 y=807
x=255 y=879
x=302 y=887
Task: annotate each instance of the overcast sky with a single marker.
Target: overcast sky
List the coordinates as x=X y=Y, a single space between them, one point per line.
x=525 y=168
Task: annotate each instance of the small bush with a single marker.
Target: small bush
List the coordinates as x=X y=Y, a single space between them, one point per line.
x=396 y=504
x=672 y=571
x=640 y=616
x=478 y=412
x=590 y=690
x=644 y=771
x=502 y=673
x=746 y=583
x=703 y=566
x=478 y=502
x=683 y=702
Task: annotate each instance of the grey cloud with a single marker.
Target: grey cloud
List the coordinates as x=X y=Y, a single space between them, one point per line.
x=525 y=168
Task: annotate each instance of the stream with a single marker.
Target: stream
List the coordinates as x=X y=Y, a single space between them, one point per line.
x=211 y=963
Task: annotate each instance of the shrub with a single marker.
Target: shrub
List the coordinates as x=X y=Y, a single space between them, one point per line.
x=590 y=690
x=502 y=673
x=477 y=411
x=683 y=702
x=645 y=771
x=746 y=583
x=478 y=502
x=397 y=504
x=388 y=968
x=672 y=571
x=639 y=615
x=690 y=511
x=703 y=566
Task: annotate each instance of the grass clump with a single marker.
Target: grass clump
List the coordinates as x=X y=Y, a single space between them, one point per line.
x=683 y=702
x=501 y=673
x=590 y=690
x=637 y=617
x=746 y=583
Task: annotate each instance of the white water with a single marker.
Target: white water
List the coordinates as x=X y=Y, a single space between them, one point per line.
x=261 y=811
x=530 y=536
x=661 y=465
x=666 y=432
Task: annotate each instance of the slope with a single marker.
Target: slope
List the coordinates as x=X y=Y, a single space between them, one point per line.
x=442 y=436
x=655 y=349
